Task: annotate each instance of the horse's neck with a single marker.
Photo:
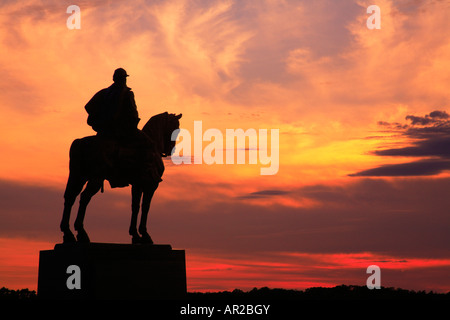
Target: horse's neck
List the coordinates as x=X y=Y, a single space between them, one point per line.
x=155 y=136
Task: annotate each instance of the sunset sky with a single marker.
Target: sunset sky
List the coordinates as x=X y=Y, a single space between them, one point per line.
x=364 y=135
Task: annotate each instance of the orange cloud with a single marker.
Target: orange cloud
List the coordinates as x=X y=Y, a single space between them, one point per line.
x=208 y=62
x=303 y=270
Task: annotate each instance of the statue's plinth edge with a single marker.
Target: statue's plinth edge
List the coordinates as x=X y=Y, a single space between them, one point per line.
x=112 y=247
x=111 y=271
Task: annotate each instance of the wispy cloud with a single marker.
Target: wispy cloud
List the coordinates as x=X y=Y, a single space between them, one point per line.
x=264 y=194
x=430 y=136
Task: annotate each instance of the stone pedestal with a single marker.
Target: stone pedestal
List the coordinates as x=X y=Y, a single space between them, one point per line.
x=111 y=271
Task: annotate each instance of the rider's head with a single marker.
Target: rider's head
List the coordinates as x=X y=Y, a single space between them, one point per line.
x=120 y=76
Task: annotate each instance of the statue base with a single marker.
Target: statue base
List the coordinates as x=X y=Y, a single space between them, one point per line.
x=111 y=271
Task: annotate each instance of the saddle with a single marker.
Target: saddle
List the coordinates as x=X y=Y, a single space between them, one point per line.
x=129 y=160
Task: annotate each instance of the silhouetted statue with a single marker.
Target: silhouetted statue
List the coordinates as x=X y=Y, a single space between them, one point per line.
x=119 y=153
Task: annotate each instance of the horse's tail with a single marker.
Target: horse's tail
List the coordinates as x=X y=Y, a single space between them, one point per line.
x=81 y=164
x=76 y=181
x=86 y=159
x=83 y=153
x=75 y=156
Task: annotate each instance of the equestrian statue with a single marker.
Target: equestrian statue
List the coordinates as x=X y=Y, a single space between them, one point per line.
x=120 y=153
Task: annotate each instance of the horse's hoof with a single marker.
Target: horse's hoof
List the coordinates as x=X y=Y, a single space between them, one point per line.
x=82 y=236
x=68 y=237
x=136 y=239
x=146 y=239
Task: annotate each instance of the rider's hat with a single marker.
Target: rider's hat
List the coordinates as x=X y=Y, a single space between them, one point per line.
x=119 y=73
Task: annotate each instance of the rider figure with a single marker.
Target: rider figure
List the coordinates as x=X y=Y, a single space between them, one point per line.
x=113 y=115
x=112 y=111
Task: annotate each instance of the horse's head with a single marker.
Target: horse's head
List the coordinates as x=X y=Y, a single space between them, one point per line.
x=160 y=129
x=173 y=123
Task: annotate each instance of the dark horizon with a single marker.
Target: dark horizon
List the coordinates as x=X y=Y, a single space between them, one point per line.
x=338 y=292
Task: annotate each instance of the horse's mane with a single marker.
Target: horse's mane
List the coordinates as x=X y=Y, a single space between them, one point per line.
x=159 y=129
x=156 y=122
x=154 y=129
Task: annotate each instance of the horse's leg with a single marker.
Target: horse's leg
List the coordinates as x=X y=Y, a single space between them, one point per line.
x=136 y=195
x=146 y=200
x=92 y=187
x=73 y=189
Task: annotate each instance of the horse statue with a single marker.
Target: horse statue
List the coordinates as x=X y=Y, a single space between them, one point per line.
x=88 y=166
